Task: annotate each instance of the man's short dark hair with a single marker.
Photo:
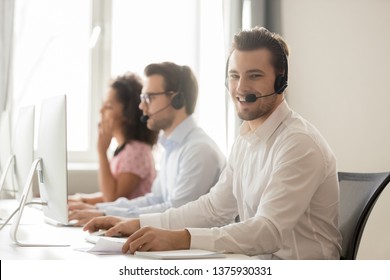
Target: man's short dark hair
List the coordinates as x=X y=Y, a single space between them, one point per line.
x=178 y=79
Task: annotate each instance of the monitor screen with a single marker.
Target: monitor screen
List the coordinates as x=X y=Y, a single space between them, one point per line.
x=52 y=150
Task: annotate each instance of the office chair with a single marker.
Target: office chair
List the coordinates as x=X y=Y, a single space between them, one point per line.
x=358 y=194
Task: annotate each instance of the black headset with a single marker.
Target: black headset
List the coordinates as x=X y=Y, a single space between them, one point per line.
x=177 y=101
x=280 y=81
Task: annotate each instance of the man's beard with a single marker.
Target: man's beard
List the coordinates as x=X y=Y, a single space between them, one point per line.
x=256 y=113
x=161 y=124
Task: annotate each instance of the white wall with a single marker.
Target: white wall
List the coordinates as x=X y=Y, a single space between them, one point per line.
x=339 y=75
x=338 y=80
x=83 y=179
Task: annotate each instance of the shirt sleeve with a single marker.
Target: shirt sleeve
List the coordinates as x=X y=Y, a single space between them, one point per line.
x=216 y=208
x=130 y=208
x=298 y=170
x=198 y=171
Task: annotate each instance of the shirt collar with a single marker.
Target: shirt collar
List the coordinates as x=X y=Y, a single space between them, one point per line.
x=264 y=131
x=179 y=133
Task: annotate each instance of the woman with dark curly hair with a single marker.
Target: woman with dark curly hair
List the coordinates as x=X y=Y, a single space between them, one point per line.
x=130 y=172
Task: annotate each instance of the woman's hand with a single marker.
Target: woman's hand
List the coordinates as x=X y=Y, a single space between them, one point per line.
x=105 y=129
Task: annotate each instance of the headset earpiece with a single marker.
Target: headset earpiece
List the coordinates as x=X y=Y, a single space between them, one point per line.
x=177 y=101
x=281 y=80
x=280 y=84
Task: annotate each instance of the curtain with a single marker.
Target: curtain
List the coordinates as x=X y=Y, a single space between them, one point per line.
x=6 y=37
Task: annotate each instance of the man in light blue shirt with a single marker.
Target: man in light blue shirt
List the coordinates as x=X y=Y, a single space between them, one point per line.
x=191 y=162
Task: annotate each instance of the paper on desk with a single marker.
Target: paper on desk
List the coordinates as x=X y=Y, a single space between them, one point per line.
x=180 y=254
x=106 y=246
x=113 y=246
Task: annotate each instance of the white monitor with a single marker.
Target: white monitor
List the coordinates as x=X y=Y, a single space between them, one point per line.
x=23 y=148
x=51 y=165
x=22 y=156
x=52 y=149
x=5 y=150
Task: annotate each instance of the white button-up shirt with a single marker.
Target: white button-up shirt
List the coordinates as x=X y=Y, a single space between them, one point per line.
x=281 y=179
x=190 y=166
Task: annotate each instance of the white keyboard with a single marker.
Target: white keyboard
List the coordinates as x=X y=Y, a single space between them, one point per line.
x=95 y=236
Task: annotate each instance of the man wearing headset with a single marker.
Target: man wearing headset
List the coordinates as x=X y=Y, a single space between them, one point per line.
x=191 y=163
x=281 y=177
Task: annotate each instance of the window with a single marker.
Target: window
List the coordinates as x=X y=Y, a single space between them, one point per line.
x=51 y=57
x=63 y=50
x=186 y=32
x=149 y=31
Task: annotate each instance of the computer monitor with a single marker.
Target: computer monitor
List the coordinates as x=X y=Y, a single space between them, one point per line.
x=52 y=149
x=51 y=166
x=23 y=148
x=6 y=156
x=19 y=162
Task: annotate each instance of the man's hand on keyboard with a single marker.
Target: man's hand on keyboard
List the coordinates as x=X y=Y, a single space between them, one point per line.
x=84 y=216
x=78 y=205
x=115 y=225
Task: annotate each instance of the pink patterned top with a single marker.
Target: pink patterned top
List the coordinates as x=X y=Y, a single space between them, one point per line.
x=136 y=158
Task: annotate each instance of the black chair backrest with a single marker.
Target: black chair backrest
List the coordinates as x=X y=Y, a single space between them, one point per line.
x=358 y=194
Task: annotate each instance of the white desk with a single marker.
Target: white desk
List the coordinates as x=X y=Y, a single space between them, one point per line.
x=34 y=230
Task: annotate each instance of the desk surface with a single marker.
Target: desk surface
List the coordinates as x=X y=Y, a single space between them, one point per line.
x=32 y=229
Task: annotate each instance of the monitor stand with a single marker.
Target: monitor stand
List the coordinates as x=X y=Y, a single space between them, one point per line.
x=36 y=165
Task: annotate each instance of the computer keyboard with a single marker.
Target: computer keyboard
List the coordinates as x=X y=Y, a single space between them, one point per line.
x=93 y=237
x=101 y=232
x=71 y=223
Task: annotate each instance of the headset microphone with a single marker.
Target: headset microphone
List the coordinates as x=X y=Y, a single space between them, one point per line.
x=250 y=98
x=145 y=118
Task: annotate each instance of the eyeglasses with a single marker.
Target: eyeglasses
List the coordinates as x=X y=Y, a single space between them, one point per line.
x=145 y=97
